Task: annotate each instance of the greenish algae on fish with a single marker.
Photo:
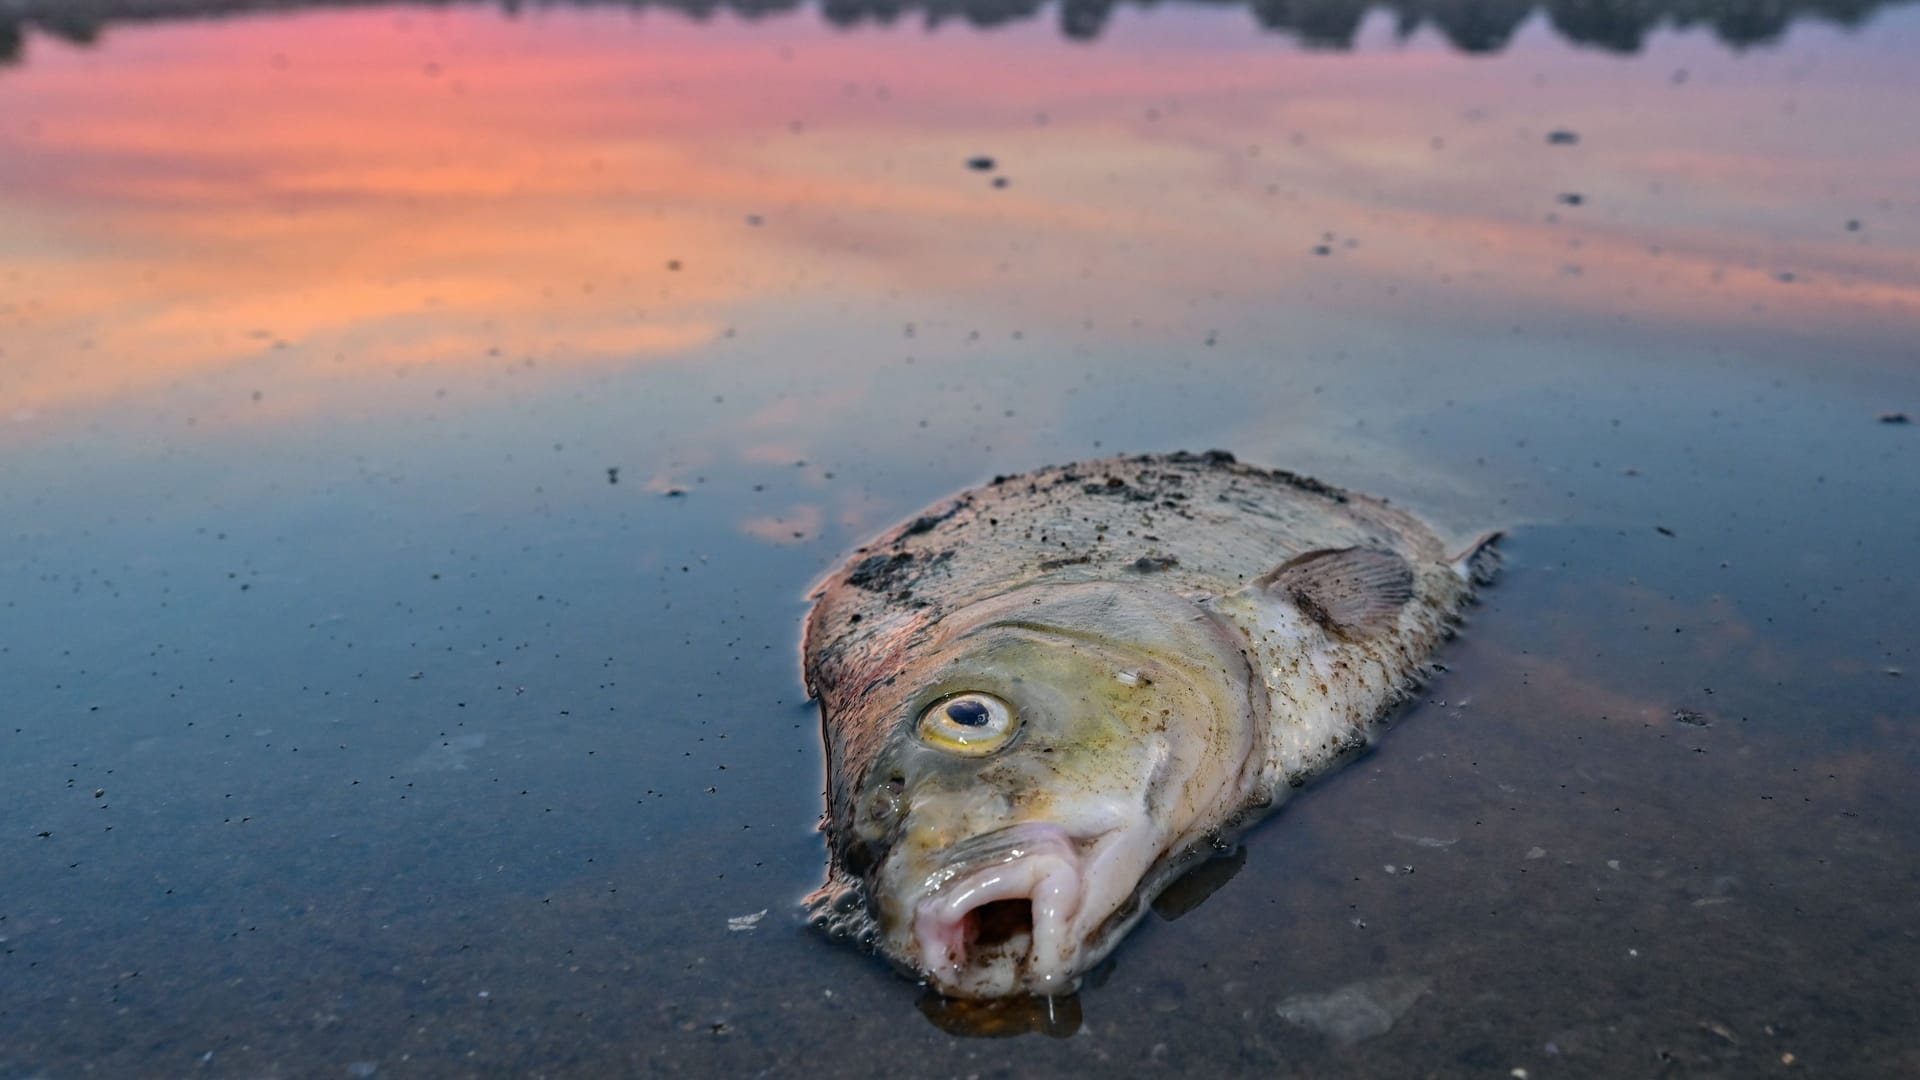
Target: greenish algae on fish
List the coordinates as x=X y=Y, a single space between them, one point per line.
x=1046 y=698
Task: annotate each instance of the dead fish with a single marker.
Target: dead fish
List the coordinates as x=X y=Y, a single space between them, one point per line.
x=1046 y=698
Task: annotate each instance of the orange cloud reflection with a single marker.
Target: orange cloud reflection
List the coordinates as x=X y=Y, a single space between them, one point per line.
x=331 y=195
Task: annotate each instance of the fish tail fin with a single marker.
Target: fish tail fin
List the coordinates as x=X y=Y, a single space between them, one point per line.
x=1480 y=560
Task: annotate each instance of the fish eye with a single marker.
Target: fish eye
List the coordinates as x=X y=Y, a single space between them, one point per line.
x=970 y=724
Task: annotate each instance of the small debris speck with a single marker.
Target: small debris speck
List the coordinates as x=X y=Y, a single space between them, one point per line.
x=1562 y=137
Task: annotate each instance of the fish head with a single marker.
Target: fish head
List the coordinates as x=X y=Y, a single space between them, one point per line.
x=1052 y=757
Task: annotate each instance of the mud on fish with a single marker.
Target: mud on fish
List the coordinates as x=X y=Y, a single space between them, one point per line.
x=1046 y=698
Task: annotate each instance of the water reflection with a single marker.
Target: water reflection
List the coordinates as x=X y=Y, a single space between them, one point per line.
x=1472 y=26
x=283 y=215
x=1002 y=1018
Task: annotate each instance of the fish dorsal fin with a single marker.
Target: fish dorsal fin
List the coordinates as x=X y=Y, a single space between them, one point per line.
x=1349 y=591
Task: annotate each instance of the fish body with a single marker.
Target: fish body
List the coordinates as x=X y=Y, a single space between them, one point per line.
x=1045 y=699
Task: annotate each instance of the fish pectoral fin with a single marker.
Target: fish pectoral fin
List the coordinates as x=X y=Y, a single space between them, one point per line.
x=1349 y=591
x=1477 y=564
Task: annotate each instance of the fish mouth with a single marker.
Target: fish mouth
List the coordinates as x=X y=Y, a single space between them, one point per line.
x=1003 y=924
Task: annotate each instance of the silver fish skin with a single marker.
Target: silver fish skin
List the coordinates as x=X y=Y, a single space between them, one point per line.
x=1046 y=698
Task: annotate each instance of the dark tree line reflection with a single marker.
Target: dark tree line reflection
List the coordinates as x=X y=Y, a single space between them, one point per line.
x=1472 y=26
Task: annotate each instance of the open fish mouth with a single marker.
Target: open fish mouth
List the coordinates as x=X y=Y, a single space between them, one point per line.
x=1004 y=924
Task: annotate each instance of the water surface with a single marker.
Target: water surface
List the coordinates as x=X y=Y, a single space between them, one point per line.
x=421 y=425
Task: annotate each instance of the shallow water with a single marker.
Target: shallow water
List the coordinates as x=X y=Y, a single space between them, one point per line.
x=421 y=425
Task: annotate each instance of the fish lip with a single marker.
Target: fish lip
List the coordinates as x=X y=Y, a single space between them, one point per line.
x=1011 y=842
x=1038 y=861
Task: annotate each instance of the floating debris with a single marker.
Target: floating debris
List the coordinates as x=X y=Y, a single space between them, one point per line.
x=739 y=923
x=452 y=754
x=1895 y=418
x=980 y=164
x=1720 y=1029
x=1562 y=137
x=1357 y=1011
x=1427 y=841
